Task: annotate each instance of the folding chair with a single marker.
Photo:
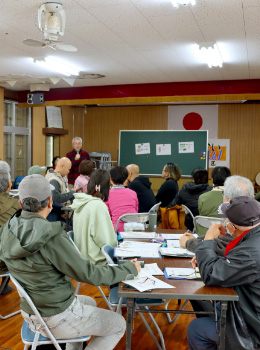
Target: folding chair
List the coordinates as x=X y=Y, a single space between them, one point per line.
x=140 y=303
x=35 y=338
x=206 y=221
x=5 y=276
x=155 y=208
x=134 y=217
x=71 y=236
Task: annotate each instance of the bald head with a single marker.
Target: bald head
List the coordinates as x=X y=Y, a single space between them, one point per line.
x=63 y=166
x=133 y=171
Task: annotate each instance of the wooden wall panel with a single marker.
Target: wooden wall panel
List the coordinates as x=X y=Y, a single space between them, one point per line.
x=65 y=140
x=241 y=124
x=2 y=123
x=103 y=124
x=38 y=138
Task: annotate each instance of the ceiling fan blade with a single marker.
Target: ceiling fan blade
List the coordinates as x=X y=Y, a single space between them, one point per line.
x=32 y=42
x=63 y=47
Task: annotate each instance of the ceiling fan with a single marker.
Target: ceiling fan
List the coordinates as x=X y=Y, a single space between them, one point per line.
x=51 y=22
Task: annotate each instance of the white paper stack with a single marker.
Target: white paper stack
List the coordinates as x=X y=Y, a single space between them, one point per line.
x=178 y=252
x=138 y=235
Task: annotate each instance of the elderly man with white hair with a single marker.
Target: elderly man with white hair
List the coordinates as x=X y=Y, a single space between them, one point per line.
x=76 y=156
x=8 y=206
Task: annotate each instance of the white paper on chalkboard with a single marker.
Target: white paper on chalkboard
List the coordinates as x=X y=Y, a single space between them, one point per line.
x=54 y=117
x=186 y=147
x=142 y=148
x=164 y=149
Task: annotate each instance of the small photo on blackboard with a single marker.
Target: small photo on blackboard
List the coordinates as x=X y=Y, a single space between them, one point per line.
x=54 y=117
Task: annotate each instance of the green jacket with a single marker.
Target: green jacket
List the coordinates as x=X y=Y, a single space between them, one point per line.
x=8 y=206
x=92 y=227
x=40 y=255
x=208 y=205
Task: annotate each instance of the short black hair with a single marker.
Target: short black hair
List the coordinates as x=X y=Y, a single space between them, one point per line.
x=119 y=174
x=219 y=175
x=54 y=160
x=200 y=175
x=33 y=205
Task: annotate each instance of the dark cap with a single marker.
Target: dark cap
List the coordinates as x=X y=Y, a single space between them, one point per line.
x=35 y=186
x=241 y=211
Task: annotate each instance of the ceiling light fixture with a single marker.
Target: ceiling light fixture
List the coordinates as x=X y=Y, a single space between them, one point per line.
x=177 y=3
x=210 y=54
x=57 y=65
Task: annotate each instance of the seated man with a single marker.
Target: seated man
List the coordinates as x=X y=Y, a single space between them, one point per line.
x=234 y=186
x=142 y=186
x=40 y=255
x=240 y=269
x=61 y=195
x=8 y=206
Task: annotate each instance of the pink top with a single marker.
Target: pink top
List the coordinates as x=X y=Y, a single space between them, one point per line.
x=81 y=183
x=121 y=201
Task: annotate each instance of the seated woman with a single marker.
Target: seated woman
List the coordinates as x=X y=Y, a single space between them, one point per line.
x=86 y=167
x=121 y=200
x=190 y=192
x=167 y=192
x=92 y=225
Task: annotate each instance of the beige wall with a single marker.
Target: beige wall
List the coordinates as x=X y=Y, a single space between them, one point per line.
x=38 y=138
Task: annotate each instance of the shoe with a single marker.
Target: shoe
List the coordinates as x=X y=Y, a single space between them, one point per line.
x=7 y=289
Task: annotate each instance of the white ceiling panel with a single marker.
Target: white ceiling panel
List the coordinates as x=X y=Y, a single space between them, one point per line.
x=135 y=41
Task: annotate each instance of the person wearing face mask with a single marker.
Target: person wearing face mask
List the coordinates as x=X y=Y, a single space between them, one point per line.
x=234 y=186
x=238 y=268
x=76 y=156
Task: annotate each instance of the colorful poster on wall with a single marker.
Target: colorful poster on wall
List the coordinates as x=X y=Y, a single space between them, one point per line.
x=142 y=148
x=163 y=149
x=219 y=152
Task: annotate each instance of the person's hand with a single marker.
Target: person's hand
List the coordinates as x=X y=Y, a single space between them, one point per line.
x=77 y=157
x=194 y=262
x=126 y=183
x=184 y=238
x=136 y=264
x=214 y=231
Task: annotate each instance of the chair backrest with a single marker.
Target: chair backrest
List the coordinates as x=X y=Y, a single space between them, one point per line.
x=109 y=254
x=134 y=217
x=187 y=211
x=17 y=181
x=24 y=295
x=206 y=221
x=155 y=208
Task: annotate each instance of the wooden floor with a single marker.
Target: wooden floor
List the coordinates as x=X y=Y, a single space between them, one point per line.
x=174 y=334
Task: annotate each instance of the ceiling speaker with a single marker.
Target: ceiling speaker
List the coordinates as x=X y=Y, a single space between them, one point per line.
x=36 y=99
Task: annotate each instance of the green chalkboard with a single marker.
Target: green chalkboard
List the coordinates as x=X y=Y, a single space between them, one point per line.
x=188 y=149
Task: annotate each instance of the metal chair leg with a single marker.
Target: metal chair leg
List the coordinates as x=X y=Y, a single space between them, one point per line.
x=168 y=315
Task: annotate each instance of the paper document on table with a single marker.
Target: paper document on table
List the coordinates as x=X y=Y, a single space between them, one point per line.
x=152 y=269
x=145 y=282
x=138 y=235
x=179 y=273
x=173 y=243
x=138 y=249
x=173 y=235
x=179 y=252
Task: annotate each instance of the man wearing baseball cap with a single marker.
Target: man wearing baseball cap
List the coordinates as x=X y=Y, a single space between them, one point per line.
x=240 y=269
x=40 y=255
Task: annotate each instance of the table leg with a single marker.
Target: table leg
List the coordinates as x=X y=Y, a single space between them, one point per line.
x=129 y=321
x=223 y=318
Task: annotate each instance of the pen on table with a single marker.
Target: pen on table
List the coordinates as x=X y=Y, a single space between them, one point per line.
x=163 y=267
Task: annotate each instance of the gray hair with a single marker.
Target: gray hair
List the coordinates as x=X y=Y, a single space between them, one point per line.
x=4 y=167
x=75 y=139
x=236 y=186
x=4 y=176
x=33 y=205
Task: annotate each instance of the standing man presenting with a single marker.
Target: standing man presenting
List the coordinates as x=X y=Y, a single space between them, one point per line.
x=76 y=156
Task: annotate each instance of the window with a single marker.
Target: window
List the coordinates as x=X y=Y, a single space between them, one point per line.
x=17 y=138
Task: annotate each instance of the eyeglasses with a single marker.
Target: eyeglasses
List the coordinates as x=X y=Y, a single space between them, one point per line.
x=146 y=279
